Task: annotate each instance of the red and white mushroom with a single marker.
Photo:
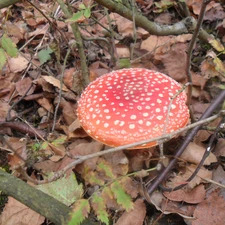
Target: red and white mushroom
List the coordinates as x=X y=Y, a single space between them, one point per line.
x=130 y=105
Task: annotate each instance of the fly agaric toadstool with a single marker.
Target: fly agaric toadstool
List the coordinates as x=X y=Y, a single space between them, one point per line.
x=130 y=105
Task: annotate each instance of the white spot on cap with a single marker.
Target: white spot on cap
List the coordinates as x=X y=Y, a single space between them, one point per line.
x=121 y=123
x=173 y=106
x=106 y=125
x=133 y=117
x=159 y=117
x=145 y=114
x=140 y=121
x=106 y=111
x=131 y=126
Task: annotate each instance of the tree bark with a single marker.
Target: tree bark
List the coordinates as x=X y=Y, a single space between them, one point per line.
x=6 y=3
x=35 y=199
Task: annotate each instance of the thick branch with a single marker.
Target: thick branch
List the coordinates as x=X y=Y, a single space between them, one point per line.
x=40 y=202
x=141 y=21
x=6 y=3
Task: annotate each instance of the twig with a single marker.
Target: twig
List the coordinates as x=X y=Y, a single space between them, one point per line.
x=205 y=155
x=79 y=44
x=60 y=91
x=190 y=50
x=189 y=137
x=81 y=159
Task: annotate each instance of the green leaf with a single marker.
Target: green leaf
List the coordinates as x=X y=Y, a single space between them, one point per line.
x=44 y=55
x=9 y=46
x=122 y=197
x=60 y=140
x=80 y=211
x=98 y=205
x=219 y=66
x=92 y=178
x=87 y=12
x=217 y=45
x=44 y=145
x=75 y=17
x=2 y=58
x=124 y=63
x=66 y=189
x=82 y=6
x=105 y=167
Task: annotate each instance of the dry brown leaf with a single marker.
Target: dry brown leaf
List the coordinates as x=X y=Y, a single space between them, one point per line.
x=220 y=148
x=196 y=5
x=68 y=109
x=163 y=18
x=182 y=177
x=17 y=213
x=68 y=77
x=81 y=150
x=174 y=60
x=19 y=152
x=119 y=162
x=135 y=216
x=208 y=68
x=14 y=31
x=210 y=211
x=166 y=206
x=46 y=104
x=193 y=196
x=4 y=107
x=55 y=82
x=123 y=51
x=131 y=186
x=198 y=80
x=156 y=45
x=194 y=153
x=18 y=64
x=23 y=85
x=44 y=84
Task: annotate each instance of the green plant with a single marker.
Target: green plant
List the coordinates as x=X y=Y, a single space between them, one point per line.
x=84 y=12
x=7 y=48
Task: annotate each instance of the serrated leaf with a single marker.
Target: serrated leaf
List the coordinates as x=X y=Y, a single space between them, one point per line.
x=75 y=17
x=122 y=197
x=92 y=178
x=44 y=55
x=87 y=12
x=217 y=45
x=80 y=211
x=60 y=140
x=44 y=145
x=98 y=205
x=2 y=58
x=219 y=65
x=66 y=189
x=9 y=46
x=104 y=166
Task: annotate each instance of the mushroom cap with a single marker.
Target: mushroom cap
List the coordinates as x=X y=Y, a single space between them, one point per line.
x=130 y=105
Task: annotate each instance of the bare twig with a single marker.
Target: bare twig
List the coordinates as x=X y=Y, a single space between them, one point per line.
x=190 y=50
x=81 y=159
x=79 y=44
x=189 y=137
